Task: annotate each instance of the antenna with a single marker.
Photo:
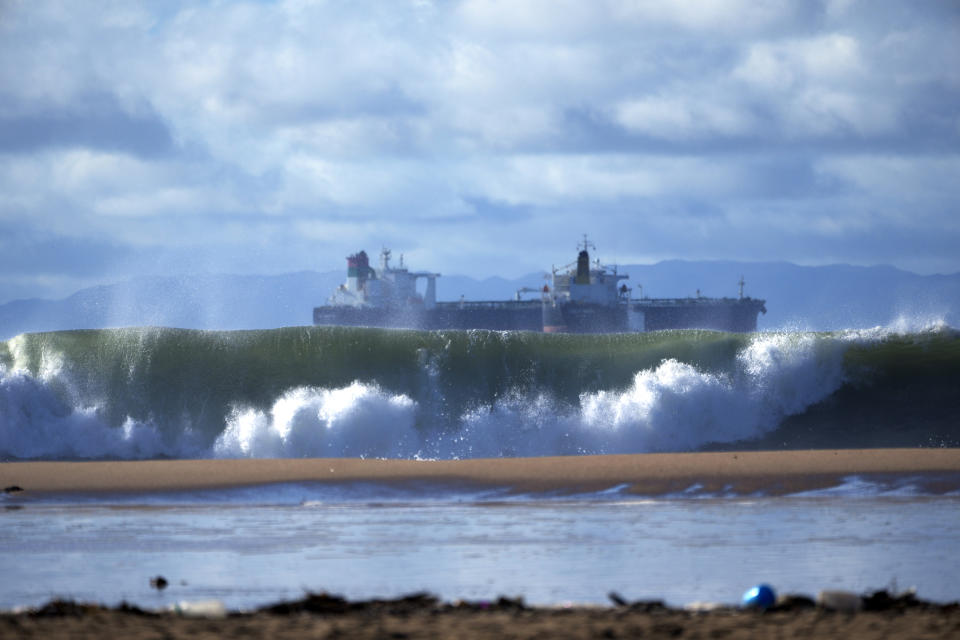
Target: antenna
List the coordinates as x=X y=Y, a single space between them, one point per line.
x=587 y=244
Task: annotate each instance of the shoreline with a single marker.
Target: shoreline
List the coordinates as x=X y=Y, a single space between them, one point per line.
x=773 y=472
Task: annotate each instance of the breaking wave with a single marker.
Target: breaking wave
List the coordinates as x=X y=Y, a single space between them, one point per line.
x=332 y=392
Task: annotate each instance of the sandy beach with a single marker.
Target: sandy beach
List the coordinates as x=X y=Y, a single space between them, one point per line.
x=647 y=474
x=421 y=616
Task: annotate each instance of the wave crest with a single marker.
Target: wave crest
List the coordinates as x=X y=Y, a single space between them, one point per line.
x=164 y=393
x=355 y=421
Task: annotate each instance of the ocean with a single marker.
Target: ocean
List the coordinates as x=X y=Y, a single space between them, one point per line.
x=154 y=393
x=331 y=392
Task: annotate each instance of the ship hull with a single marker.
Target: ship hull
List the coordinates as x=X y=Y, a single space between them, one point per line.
x=495 y=316
x=723 y=314
x=389 y=318
x=734 y=315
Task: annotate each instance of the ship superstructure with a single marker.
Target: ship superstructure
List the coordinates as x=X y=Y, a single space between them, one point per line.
x=384 y=297
x=389 y=287
x=586 y=298
x=581 y=297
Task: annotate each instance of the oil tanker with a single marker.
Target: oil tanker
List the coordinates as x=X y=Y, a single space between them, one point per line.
x=581 y=297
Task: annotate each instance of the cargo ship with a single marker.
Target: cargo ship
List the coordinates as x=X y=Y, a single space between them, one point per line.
x=581 y=297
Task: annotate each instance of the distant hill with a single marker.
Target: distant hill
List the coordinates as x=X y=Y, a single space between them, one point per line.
x=199 y=302
x=816 y=298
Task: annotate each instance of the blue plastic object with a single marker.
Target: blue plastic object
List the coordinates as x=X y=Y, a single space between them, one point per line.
x=761 y=596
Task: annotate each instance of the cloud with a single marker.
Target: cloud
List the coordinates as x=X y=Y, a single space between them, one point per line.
x=566 y=19
x=287 y=129
x=31 y=250
x=94 y=122
x=678 y=118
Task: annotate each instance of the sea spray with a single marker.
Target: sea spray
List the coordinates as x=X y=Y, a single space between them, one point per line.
x=355 y=421
x=671 y=407
x=36 y=423
x=146 y=393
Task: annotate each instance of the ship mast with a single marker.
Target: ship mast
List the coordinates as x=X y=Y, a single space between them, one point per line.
x=586 y=245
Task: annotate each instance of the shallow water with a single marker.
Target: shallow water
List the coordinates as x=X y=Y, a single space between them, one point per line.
x=256 y=546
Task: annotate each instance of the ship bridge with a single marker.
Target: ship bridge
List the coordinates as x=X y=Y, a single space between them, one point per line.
x=388 y=287
x=581 y=283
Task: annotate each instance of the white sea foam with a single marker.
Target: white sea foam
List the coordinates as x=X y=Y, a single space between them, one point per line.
x=880 y=487
x=918 y=323
x=36 y=423
x=674 y=406
x=354 y=421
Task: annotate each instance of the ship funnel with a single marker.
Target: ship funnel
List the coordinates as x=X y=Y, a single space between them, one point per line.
x=583 y=268
x=358 y=271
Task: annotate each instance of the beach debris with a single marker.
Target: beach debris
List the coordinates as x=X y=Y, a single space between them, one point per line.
x=636 y=605
x=794 y=602
x=200 y=609
x=64 y=608
x=328 y=604
x=885 y=601
x=567 y=605
x=323 y=603
x=502 y=603
x=71 y=609
x=159 y=583
x=420 y=604
x=761 y=596
x=843 y=601
x=13 y=489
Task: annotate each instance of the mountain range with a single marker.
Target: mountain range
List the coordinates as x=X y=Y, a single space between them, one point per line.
x=818 y=298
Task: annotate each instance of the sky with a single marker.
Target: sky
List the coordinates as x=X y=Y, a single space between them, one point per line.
x=476 y=137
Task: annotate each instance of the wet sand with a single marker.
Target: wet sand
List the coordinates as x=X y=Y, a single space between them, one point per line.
x=773 y=473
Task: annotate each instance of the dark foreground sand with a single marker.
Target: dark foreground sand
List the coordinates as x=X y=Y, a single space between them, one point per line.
x=650 y=474
x=424 y=617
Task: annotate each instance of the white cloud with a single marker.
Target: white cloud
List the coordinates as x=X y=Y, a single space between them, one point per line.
x=572 y=19
x=679 y=118
x=837 y=9
x=821 y=112
x=832 y=59
x=299 y=118
x=890 y=178
x=551 y=180
x=822 y=86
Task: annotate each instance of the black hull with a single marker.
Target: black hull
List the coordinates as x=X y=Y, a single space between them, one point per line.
x=495 y=316
x=720 y=314
x=723 y=314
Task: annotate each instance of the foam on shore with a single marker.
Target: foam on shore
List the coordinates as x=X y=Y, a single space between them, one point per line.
x=729 y=473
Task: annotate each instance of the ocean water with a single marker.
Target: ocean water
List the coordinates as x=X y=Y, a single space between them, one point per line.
x=332 y=392
x=302 y=392
x=256 y=546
